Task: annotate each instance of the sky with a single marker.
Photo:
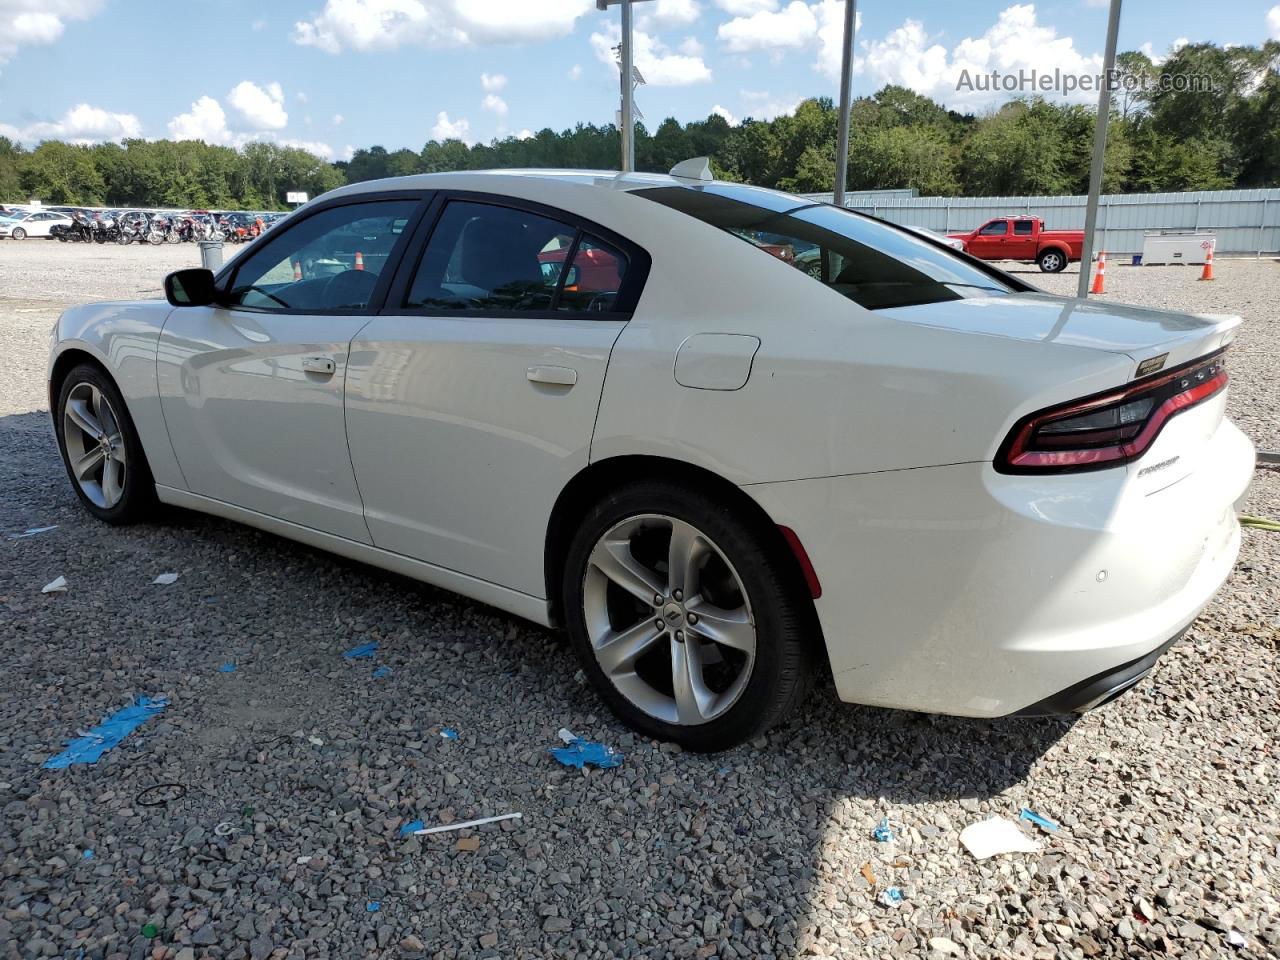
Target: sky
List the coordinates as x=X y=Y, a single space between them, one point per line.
x=333 y=75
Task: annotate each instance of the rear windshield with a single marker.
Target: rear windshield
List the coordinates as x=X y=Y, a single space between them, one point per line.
x=874 y=264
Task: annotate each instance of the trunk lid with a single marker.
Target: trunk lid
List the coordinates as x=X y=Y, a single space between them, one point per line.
x=1140 y=333
x=1155 y=341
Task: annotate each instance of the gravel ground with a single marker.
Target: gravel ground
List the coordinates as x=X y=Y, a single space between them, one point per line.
x=294 y=773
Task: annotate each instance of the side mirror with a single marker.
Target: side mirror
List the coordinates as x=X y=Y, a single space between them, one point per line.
x=190 y=288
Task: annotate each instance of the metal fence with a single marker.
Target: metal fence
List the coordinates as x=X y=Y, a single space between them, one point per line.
x=1245 y=221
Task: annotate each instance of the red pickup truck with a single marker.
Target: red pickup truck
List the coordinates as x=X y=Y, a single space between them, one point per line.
x=1023 y=238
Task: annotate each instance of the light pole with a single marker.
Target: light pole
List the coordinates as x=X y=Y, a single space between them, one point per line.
x=846 y=83
x=627 y=126
x=1099 y=150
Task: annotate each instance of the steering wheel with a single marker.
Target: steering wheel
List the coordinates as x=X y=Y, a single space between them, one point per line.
x=351 y=288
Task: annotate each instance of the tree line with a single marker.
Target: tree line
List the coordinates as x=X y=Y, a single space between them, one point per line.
x=1162 y=137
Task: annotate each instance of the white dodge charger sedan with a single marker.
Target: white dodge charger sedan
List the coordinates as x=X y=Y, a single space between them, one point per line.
x=613 y=402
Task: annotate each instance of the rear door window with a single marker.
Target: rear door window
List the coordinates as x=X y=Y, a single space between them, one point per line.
x=1022 y=228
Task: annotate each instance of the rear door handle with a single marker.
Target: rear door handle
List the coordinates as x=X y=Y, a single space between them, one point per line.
x=324 y=365
x=560 y=376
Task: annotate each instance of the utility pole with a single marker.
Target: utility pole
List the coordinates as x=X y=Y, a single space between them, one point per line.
x=627 y=127
x=1099 y=150
x=846 y=106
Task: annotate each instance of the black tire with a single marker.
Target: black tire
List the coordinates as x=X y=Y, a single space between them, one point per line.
x=1051 y=261
x=138 y=498
x=787 y=633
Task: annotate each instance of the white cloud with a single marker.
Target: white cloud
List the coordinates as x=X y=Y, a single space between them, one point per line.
x=729 y=118
x=762 y=105
x=337 y=119
x=319 y=148
x=81 y=124
x=691 y=47
x=792 y=27
x=745 y=8
x=261 y=108
x=667 y=13
x=525 y=134
x=1179 y=44
x=385 y=24
x=446 y=129
x=1015 y=42
x=575 y=72
x=35 y=23
x=492 y=82
x=1273 y=22
x=655 y=61
x=258 y=26
x=206 y=120
x=494 y=103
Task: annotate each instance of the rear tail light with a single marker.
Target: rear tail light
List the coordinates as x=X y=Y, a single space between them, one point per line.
x=1110 y=428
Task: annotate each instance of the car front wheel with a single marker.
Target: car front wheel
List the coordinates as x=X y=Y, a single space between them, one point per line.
x=686 y=618
x=19 y=233
x=101 y=450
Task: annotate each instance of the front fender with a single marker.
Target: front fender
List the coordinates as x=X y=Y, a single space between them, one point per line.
x=122 y=338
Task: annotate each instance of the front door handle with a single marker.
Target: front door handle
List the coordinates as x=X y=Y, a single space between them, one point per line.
x=322 y=365
x=560 y=376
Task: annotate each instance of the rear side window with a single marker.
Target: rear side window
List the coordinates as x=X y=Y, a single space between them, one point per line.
x=1022 y=228
x=485 y=257
x=871 y=262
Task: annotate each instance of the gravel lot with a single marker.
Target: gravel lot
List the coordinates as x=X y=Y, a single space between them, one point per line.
x=295 y=772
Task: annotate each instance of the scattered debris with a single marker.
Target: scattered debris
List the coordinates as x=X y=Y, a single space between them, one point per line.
x=32 y=532
x=248 y=810
x=461 y=825
x=413 y=826
x=449 y=733
x=1044 y=823
x=315 y=741
x=902 y=862
x=362 y=651
x=987 y=838
x=165 y=579
x=58 y=585
x=1236 y=939
x=890 y=897
x=86 y=855
x=302 y=861
x=227 y=668
x=578 y=752
x=150 y=931
x=224 y=829
x=883 y=832
x=373 y=906
x=469 y=844
x=381 y=672
x=93 y=743
x=868 y=875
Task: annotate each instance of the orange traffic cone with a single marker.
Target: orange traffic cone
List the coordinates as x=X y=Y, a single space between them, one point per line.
x=297 y=270
x=1100 y=277
x=359 y=260
x=1207 y=272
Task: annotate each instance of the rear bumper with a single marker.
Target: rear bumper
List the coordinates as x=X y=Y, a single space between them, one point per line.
x=962 y=591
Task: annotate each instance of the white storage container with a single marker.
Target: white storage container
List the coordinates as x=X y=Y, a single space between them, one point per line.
x=1176 y=246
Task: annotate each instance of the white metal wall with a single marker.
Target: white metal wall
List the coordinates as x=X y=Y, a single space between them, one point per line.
x=1245 y=221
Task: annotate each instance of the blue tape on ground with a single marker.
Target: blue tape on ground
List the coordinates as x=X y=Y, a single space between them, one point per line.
x=411 y=827
x=581 y=752
x=107 y=734
x=362 y=651
x=381 y=672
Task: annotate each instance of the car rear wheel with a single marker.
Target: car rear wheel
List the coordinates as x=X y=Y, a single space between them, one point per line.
x=1052 y=261
x=101 y=450
x=684 y=617
x=19 y=233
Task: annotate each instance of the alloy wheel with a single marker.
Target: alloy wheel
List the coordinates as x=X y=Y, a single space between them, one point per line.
x=669 y=620
x=94 y=445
